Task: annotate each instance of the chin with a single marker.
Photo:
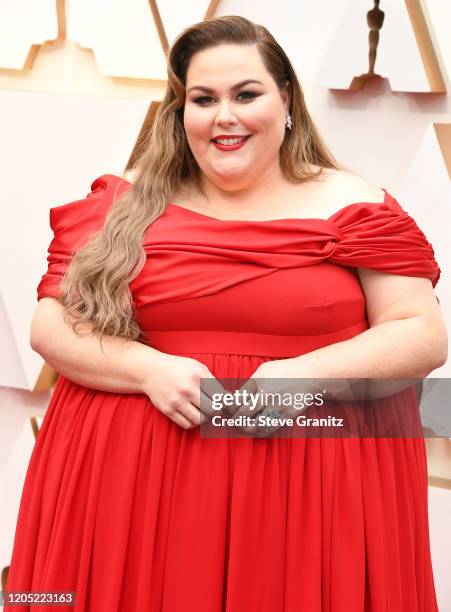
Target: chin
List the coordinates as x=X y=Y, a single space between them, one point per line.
x=236 y=174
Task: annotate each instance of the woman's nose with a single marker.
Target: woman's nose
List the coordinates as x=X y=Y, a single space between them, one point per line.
x=225 y=113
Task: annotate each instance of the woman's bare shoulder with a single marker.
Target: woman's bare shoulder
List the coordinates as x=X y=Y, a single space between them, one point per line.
x=130 y=174
x=347 y=185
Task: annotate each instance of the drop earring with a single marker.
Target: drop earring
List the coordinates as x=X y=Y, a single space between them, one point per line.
x=288 y=122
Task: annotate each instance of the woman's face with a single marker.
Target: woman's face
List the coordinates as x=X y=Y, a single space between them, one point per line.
x=215 y=106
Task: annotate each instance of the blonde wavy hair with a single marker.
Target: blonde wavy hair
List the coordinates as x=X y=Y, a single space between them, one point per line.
x=95 y=288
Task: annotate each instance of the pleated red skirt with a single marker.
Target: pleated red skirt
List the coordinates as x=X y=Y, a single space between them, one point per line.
x=132 y=512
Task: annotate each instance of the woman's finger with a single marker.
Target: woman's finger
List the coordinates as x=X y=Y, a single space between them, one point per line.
x=181 y=420
x=190 y=411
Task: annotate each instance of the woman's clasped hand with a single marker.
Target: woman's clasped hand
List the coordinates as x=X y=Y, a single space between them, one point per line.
x=283 y=394
x=174 y=387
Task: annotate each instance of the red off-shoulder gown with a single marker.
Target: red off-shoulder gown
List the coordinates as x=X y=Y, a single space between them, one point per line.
x=136 y=514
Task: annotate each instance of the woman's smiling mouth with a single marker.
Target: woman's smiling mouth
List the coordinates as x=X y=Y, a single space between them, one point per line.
x=230 y=143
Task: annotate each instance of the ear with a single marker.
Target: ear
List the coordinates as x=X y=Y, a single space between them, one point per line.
x=286 y=95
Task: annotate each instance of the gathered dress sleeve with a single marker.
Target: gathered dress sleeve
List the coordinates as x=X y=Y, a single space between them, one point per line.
x=73 y=224
x=383 y=237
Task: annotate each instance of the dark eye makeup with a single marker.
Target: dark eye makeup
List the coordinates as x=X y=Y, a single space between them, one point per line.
x=200 y=100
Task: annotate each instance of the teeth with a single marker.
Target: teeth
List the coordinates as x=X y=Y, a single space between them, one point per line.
x=229 y=141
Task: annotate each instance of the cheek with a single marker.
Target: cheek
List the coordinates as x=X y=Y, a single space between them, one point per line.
x=262 y=119
x=195 y=122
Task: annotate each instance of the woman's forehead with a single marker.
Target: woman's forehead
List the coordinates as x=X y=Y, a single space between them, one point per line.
x=225 y=70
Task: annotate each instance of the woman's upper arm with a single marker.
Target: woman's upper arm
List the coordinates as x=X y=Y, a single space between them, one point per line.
x=47 y=314
x=394 y=296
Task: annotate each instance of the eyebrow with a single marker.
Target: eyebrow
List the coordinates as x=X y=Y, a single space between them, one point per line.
x=236 y=86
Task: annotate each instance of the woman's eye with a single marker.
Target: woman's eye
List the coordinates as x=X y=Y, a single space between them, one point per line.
x=202 y=99
x=249 y=95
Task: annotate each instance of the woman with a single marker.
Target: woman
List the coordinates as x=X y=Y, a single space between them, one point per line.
x=260 y=258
